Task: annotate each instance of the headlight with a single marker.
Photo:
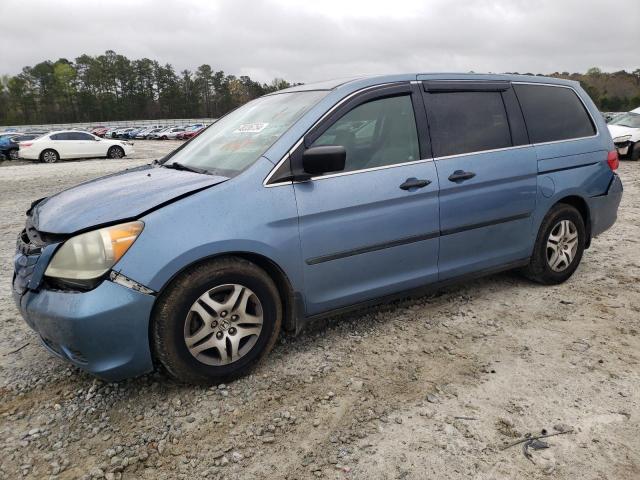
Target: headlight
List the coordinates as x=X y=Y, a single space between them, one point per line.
x=90 y=255
x=622 y=139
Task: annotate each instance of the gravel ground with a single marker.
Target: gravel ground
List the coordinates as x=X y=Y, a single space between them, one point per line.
x=430 y=388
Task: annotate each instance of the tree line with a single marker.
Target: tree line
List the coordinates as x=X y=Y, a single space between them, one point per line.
x=110 y=87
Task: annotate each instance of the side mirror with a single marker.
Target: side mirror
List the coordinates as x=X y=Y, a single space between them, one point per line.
x=319 y=160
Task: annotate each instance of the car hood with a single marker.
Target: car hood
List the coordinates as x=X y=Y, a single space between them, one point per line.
x=619 y=130
x=118 y=197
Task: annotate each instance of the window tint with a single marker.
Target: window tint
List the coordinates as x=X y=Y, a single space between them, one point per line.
x=377 y=133
x=464 y=122
x=553 y=113
x=82 y=136
x=61 y=136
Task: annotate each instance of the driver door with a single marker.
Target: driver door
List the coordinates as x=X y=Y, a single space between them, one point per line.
x=372 y=229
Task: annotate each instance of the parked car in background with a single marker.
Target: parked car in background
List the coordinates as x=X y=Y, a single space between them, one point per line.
x=191 y=131
x=171 y=134
x=100 y=131
x=70 y=144
x=327 y=197
x=160 y=133
x=11 y=148
x=625 y=130
x=144 y=134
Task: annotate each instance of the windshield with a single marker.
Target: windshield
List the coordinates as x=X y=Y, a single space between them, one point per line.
x=629 y=119
x=238 y=139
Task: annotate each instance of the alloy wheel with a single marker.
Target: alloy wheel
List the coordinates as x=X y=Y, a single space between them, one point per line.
x=49 y=157
x=223 y=324
x=116 y=153
x=562 y=245
x=13 y=154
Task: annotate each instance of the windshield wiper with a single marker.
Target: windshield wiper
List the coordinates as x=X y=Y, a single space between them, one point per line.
x=186 y=168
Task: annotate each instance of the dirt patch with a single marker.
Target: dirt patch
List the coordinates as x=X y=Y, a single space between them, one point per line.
x=431 y=388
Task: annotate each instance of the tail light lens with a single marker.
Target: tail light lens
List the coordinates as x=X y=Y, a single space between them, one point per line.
x=612 y=160
x=23 y=144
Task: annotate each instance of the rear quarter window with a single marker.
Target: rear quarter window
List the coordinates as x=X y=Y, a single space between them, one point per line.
x=553 y=113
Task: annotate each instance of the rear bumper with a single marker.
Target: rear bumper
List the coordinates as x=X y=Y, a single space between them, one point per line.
x=28 y=154
x=604 y=208
x=103 y=331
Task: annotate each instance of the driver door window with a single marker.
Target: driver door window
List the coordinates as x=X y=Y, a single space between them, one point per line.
x=375 y=134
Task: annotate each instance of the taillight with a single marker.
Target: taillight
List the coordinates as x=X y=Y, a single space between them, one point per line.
x=613 y=160
x=22 y=144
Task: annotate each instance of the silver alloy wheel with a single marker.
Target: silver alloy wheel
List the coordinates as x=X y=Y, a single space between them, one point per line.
x=49 y=157
x=13 y=154
x=223 y=324
x=562 y=245
x=116 y=152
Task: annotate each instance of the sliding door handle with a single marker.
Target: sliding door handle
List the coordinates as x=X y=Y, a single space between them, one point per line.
x=410 y=183
x=460 y=176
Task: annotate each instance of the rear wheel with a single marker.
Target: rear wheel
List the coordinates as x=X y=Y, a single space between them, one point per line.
x=115 y=152
x=13 y=154
x=559 y=246
x=216 y=321
x=49 y=156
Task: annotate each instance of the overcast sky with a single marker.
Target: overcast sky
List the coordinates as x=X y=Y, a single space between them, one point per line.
x=311 y=40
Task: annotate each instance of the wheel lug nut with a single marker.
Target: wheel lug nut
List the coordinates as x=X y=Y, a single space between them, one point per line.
x=214 y=324
x=232 y=331
x=234 y=317
x=223 y=313
x=219 y=335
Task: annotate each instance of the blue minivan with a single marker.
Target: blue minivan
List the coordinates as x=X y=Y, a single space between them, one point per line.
x=311 y=201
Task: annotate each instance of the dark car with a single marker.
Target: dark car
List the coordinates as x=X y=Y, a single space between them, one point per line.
x=10 y=148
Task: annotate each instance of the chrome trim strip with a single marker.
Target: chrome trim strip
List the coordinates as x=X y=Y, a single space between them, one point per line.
x=480 y=152
x=372 y=169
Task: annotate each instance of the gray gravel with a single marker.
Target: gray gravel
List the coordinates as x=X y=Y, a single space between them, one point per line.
x=429 y=388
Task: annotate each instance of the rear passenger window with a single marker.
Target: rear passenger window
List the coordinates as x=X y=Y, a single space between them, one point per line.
x=553 y=113
x=464 y=122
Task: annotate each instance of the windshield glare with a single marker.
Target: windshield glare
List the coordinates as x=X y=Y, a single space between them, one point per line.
x=238 y=139
x=627 y=120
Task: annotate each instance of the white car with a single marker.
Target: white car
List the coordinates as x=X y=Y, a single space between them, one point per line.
x=70 y=144
x=625 y=131
x=171 y=134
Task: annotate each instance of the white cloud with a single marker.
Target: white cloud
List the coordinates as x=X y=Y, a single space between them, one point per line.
x=305 y=41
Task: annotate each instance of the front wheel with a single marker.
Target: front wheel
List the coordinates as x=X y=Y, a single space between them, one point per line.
x=216 y=321
x=635 y=152
x=559 y=246
x=115 y=152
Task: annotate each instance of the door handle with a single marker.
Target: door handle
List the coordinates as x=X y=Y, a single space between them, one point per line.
x=412 y=182
x=460 y=176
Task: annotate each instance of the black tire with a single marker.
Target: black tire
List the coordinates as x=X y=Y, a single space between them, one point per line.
x=635 y=152
x=539 y=268
x=49 y=156
x=13 y=154
x=163 y=137
x=172 y=308
x=115 y=152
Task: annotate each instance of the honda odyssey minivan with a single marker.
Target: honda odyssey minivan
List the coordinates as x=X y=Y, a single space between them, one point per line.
x=311 y=201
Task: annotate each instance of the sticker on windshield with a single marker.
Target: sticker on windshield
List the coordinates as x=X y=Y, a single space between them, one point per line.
x=251 y=128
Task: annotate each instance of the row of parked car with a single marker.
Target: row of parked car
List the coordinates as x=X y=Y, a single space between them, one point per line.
x=155 y=132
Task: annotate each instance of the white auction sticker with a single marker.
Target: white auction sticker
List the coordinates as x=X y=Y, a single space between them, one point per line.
x=251 y=128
